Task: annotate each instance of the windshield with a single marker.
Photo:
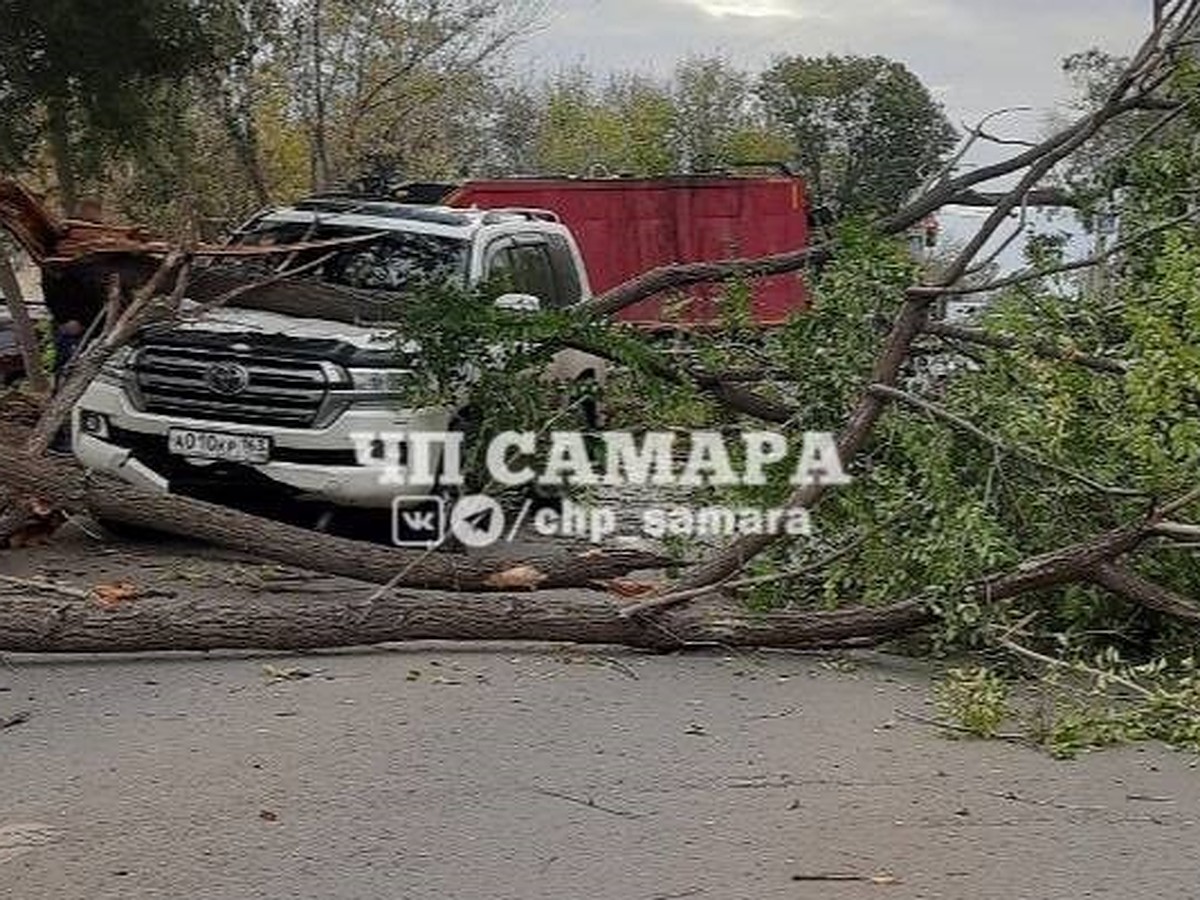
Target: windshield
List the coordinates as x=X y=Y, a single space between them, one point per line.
x=396 y=261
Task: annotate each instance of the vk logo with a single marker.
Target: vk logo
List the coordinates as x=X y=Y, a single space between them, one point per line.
x=418 y=522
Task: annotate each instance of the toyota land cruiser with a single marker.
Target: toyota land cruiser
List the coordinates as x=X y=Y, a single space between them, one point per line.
x=268 y=402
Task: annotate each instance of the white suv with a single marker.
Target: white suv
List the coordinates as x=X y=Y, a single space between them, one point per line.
x=272 y=401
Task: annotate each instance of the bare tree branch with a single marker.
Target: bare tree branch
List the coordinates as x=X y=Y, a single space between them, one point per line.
x=1028 y=275
x=1038 y=348
x=1039 y=197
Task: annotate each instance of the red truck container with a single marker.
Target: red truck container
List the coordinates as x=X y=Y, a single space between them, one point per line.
x=627 y=226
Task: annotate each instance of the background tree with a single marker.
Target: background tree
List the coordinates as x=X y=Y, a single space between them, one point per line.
x=618 y=126
x=711 y=101
x=246 y=33
x=513 y=128
x=398 y=84
x=88 y=77
x=865 y=130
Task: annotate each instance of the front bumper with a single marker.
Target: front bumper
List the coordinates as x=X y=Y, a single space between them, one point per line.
x=316 y=464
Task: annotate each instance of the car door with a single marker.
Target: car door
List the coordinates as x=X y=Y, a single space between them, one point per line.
x=543 y=265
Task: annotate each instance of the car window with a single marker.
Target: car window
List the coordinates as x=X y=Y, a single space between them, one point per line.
x=498 y=268
x=533 y=272
x=394 y=262
x=566 y=274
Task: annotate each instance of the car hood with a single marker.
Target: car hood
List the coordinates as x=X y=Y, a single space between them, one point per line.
x=232 y=320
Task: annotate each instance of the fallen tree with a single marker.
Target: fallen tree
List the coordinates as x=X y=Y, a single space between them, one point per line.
x=39 y=618
x=66 y=487
x=47 y=621
x=682 y=613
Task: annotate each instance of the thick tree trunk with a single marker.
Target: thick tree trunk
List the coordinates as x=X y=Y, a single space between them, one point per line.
x=320 y=149
x=47 y=619
x=60 y=151
x=242 y=134
x=66 y=487
x=1126 y=583
x=35 y=621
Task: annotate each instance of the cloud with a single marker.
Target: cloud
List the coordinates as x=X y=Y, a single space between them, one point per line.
x=750 y=9
x=978 y=55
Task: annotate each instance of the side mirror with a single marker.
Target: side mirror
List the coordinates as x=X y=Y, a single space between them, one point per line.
x=518 y=302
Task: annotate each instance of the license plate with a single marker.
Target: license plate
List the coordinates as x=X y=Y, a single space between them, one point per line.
x=247 y=448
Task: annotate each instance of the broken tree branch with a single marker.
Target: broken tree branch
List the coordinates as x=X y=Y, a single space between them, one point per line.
x=145 y=305
x=33 y=624
x=1039 y=348
x=1039 y=198
x=674 y=599
x=1062 y=665
x=1144 y=75
x=23 y=331
x=1028 y=275
x=728 y=392
x=263 y=621
x=676 y=277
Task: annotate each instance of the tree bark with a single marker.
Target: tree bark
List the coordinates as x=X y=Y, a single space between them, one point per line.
x=1132 y=586
x=243 y=135
x=66 y=487
x=684 y=275
x=1041 y=197
x=60 y=151
x=320 y=151
x=33 y=621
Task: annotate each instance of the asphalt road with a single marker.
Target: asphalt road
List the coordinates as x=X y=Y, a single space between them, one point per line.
x=523 y=772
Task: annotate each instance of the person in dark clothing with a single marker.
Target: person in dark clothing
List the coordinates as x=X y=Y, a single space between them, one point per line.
x=74 y=296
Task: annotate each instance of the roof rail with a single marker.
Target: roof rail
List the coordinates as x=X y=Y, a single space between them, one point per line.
x=492 y=216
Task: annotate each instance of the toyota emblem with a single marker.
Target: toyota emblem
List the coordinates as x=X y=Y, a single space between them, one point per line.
x=227 y=378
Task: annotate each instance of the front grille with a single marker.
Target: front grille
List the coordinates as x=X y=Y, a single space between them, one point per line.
x=288 y=393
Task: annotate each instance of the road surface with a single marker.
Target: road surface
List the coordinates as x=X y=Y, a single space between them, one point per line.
x=527 y=772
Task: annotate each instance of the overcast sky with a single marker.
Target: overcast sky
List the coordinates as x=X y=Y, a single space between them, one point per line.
x=976 y=55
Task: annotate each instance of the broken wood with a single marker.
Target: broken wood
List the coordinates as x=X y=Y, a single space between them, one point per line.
x=1042 y=349
x=154 y=623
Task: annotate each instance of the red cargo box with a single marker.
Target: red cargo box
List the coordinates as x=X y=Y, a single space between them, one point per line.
x=628 y=226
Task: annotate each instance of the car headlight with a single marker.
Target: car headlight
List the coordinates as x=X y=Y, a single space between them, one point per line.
x=380 y=381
